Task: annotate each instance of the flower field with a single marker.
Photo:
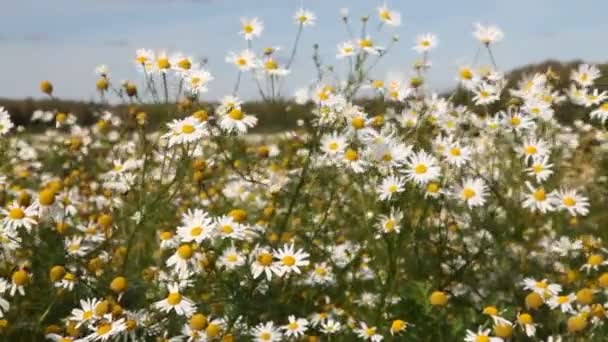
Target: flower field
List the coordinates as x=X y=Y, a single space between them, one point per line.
x=476 y=216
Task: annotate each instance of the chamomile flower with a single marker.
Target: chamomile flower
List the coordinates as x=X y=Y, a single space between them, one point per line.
x=262 y=262
x=390 y=186
x=75 y=247
x=196 y=226
x=601 y=113
x=526 y=322
x=183 y=260
x=333 y=144
x=367 y=44
x=542 y=287
x=185 y=131
x=389 y=17
x=321 y=274
x=231 y=258
x=564 y=302
x=481 y=335
x=227 y=228
x=346 y=49
x=390 y=223
x=457 y=155
x=5 y=122
x=266 y=332
x=540 y=168
x=237 y=121
x=585 y=75
x=86 y=312
x=296 y=326
x=422 y=168
x=473 y=192
x=196 y=81
x=251 y=28
x=487 y=34
x=289 y=260
x=17 y=216
x=425 y=43
x=330 y=326
x=304 y=17
x=594 y=261
x=534 y=148
x=517 y=122
x=175 y=301
x=368 y=333
x=244 y=60
x=106 y=328
x=572 y=201
x=537 y=200
x=485 y=94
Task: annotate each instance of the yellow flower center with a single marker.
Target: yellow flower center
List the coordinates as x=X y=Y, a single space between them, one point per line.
x=196 y=231
x=366 y=43
x=351 y=155
x=174 y=298
x=104 y=328
x=468 y=193
x=232 y=258
x=320 y=271
x=525 y=319
x=163 y=63
x=166 y=235
x=19 y=277
x=241 y=61
x=227 y=229
x=370 y=331
x=540 y=195
x=187 y=129
x=389 y=225
x=563 y=299
x=537 y=168
x=482 y=338
x=455 y=151
x=248 y=28
x=358 y=122
x=185 y=251
x=271 y=64
x=420 y=169
x=265 y=259
x=16 y=213
x=212 y=330
x=185 y=64
x=569 y=201
x=87 y=315
x=236 y=114
x=515 y=121
x=595 y=260
x=392 y=188
x=531 y=149
x=289 y=260
x=292 y=326
x=466 y=74
x=265 y=336
x=333 y=146
x=432 y=188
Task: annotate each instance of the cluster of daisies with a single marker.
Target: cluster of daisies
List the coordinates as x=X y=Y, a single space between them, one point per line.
x=429 y=219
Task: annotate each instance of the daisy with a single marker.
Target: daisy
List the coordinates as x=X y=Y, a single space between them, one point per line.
x=537 y=200
x=425 y=42
x=389 y=17
x=295 y=327
x=485 y=94
x=185 y=131
x=175 y=301
x=196 y=81
x=422 y=168
x=304 y=17
x=289 y=260
x=196 y=226
x=346 y=49
x=526 y=322
x=367 y=44
x=183 y=260
x=272 y=67
x=226 y=228
x=237 y=121
x=183 y=64
x=162 y=63
x=389 y=186
x=86 y=312
x=251 y=28
x=262 y=263
x=563 y=302
x=571 y=200
x=457 y=155
x=487 y=34
x=534 y=148
x=106 y=328
x=244 y=61
x=5 y=122
x=368 y=333
x=481 y=335
x=594 y=261
x=330 y=327
x=601 y=113
x=517 y=122
x=594 y=98
x=353 y=161
x=17 y=216
x=585 y=75
x=542 y=287
x=231 y=258
x=333 y=144
x=473 y=191
x=74 y=246
x=391 y=223
x=321 y=274
x=266 y=332
x=540 y=168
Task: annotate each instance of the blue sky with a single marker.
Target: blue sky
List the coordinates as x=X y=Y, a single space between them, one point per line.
x=63 y=40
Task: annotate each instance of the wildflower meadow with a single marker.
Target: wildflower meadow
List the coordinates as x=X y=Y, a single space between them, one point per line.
x=478 y=215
